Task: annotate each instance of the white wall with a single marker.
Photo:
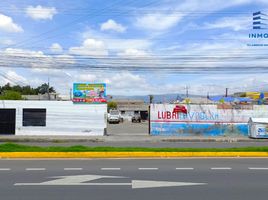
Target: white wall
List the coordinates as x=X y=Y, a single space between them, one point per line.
x=63 y=118
x=208 y=120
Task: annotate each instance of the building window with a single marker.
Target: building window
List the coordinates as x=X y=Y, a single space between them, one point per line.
x=34 y=117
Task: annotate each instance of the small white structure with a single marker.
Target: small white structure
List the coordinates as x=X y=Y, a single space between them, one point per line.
x=258 y=127
x=52 y=118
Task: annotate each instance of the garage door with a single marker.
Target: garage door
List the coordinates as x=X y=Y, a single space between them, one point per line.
x=7 y=121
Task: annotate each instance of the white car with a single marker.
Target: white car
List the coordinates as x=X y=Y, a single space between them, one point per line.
x=114 y=116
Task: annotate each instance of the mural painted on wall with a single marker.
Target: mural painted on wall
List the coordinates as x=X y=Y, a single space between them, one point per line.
x=208 y=120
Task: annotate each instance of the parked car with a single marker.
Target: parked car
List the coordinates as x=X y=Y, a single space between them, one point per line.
x=136 y=118
x=114 y=117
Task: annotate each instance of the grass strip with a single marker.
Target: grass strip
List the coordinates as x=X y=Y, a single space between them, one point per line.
x=12 y=147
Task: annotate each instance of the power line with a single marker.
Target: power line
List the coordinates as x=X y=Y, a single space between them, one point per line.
x=69 y=24
x=63 y=26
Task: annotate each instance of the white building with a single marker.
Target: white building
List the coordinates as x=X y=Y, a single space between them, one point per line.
x=52 y=118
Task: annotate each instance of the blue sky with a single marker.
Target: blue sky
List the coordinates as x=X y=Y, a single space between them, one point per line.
x=136 y=47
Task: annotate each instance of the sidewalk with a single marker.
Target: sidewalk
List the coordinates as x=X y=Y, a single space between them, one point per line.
x=126 y=138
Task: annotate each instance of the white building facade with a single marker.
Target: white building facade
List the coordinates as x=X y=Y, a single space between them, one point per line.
x=52 y=118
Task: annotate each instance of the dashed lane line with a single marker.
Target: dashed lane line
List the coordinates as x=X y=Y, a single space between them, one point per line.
x=35 y=169
x=145 y=168
x=110 y=168
x=220 y=168
x=5 y=169
x=258 y=168
x=72 y=169
x=184 y=168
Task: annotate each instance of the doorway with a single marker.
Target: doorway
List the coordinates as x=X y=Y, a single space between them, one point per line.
x=7 y=121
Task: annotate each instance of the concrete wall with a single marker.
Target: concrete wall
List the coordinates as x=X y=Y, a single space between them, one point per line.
x=208 y=120
x=63 y=118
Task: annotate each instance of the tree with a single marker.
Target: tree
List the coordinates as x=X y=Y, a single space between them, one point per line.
x=27 y=90
x=43 y=89
x=10 y=95
x=5 y=87
x=112 y=105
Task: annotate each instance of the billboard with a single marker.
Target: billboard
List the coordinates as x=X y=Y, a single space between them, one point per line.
x=91 y=93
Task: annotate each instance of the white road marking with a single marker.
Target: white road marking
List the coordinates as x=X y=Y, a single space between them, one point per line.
x=184 y=168
x=221 y=168
x=144 y=168
x=4 y=169
x=258 y=168
x=84 y=181
x=110 y=168
x=136 y=184
x=35 y=169
x=72 y=169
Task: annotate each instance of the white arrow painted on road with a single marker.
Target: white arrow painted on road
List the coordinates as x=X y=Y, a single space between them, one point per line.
x=136 y=184
x=83 y=179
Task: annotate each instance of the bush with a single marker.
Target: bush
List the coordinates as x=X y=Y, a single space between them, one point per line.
x=10 y=95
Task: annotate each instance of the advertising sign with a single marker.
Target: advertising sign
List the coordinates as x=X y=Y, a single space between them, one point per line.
x=91 y=93
x=208 y=120
x=262 y=130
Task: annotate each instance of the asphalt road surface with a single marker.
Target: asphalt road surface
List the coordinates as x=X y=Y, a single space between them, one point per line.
x=169 y=179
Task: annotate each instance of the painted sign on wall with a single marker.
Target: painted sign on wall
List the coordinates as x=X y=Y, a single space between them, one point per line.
x=89 y=93
x=210 y=120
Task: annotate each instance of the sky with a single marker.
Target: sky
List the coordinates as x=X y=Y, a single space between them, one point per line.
x=136 y=47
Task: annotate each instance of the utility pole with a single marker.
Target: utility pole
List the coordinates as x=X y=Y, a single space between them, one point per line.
x=226 y=92
x=70 y=93
x=187 y=91
x=151 y=97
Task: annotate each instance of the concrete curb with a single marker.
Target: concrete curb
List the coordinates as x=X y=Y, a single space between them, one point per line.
x=31 y=155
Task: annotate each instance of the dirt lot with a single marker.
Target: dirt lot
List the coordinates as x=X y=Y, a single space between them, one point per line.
x=128 y=128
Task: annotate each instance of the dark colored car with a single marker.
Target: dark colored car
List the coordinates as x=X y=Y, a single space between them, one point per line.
x=136 y=118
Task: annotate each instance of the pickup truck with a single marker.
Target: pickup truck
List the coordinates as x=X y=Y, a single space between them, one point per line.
x=114 y=117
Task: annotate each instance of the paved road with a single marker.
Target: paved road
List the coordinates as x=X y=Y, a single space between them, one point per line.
x=188 y=179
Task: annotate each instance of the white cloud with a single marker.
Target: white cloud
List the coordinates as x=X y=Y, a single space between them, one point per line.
x=56 y=48
x=13 y=78
x=7 y=41
x=34 y=59
x=158 y=21
x=40 y=12
x=90 y=47
x=124 y=82
x=87 y=77
x=168 y=15
x=16 y=77
x=234 y=23
x=7 y=25
x=115 y=43
x=64 y=59
x=113 y=26
x=133 y=53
